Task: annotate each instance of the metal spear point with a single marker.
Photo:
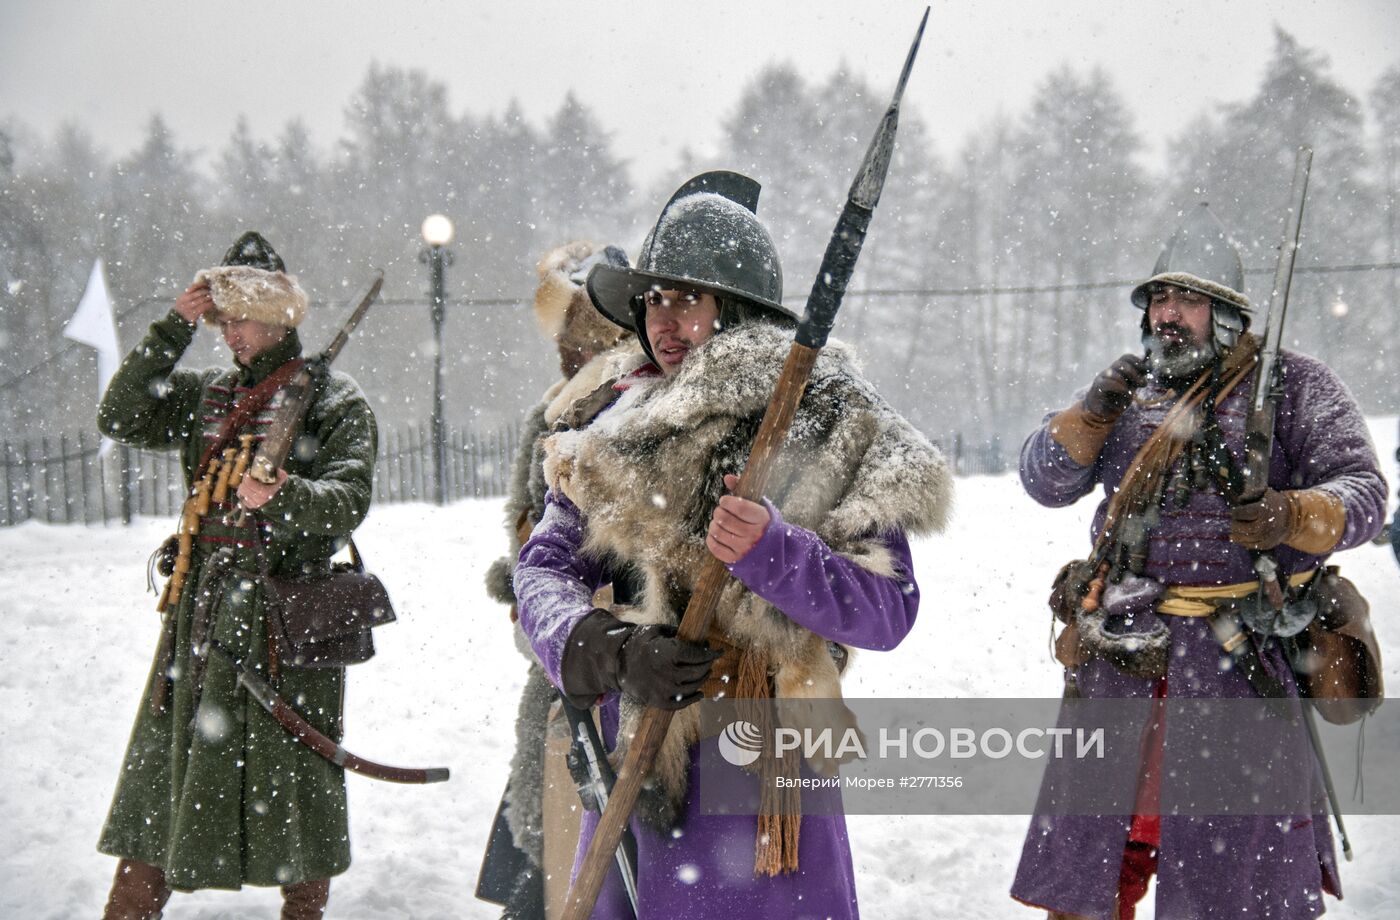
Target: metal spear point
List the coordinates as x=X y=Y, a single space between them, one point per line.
x=870 y=181
x=849 y=236
x=825 y=299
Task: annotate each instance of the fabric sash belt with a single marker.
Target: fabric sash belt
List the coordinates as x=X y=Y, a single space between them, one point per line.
x=1199 y=600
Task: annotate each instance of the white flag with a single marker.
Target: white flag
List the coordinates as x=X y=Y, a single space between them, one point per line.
x=93 y=324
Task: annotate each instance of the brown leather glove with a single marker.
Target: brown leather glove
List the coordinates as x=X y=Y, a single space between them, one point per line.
x=1310 y=520
x=1262 y=524
x=647 y=662
x=1083 y=428
x=1112 y=390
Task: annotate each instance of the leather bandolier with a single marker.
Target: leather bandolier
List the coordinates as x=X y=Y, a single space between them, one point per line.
x=1190 y=434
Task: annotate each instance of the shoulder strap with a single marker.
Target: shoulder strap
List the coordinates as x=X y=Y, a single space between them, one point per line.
x=1147 y=472
x=247 y=407
x=585 y=409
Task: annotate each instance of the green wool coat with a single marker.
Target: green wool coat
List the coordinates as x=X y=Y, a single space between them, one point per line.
x=224 y=796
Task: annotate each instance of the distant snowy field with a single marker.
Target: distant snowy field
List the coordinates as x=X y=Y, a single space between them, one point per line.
x=76 y=635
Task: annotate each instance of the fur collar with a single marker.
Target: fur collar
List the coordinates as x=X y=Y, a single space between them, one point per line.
x=898 y=480
x=606 y=368
x=648 y=472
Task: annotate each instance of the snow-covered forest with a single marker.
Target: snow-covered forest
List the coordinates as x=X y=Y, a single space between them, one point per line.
x=997 y=267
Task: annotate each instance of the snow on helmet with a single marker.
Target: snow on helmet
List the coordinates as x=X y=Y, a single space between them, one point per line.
x=706 y=239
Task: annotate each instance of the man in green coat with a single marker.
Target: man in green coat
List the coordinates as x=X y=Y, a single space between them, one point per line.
x=214 y=793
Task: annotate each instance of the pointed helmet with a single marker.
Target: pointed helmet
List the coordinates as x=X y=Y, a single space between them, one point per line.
x=706 y=239
x=1199 y=257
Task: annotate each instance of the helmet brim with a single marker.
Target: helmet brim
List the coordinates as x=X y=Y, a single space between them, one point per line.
x=613 y=288
x=1190 y=282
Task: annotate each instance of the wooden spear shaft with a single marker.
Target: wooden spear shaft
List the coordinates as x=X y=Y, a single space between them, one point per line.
x=822 y=304
x=772 y=432
x=694 y=626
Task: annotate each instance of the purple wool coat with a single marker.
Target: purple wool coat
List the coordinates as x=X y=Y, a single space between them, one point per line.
x=704 y=867
x=1272 y=866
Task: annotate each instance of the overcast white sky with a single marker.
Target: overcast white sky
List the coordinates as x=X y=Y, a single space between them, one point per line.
x=660 y=76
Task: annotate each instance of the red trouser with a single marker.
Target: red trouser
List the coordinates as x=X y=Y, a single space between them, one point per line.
x=1145 y=835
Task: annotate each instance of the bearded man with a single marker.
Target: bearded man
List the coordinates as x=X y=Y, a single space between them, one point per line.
x=213 y=792
x=1177 y=549
x=638 y=480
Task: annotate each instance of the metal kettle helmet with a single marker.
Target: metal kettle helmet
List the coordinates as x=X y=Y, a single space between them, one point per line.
x=706 y=239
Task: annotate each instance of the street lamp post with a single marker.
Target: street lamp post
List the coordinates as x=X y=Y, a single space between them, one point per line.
x=437 y=233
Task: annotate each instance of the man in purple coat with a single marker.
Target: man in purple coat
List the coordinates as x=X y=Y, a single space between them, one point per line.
x=638 y=499
x=1169 y=570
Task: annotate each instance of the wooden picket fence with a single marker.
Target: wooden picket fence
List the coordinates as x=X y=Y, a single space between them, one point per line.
x=71 y=479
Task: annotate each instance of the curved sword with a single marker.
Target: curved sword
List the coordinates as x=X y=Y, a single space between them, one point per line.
x=309 y=735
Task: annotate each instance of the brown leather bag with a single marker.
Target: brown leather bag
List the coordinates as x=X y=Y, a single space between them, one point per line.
x=1338 y=660
x=1066 y=594
x=325 y=621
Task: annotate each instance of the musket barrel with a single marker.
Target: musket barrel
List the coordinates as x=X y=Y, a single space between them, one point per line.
x=1259 y=426
x=1283 y=271
x=362 y=306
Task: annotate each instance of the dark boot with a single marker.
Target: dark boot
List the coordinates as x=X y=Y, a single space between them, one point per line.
x=305 y=900
x=138 y=892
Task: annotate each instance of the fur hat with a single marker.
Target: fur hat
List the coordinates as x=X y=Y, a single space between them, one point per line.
x=562 y=307
x=252 y=283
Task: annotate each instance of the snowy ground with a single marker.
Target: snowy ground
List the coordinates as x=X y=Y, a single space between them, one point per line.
x=77 y=636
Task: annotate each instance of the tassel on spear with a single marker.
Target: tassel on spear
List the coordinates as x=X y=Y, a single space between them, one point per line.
x=838 y=264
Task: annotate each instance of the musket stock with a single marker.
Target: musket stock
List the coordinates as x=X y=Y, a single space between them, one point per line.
x=298 y=393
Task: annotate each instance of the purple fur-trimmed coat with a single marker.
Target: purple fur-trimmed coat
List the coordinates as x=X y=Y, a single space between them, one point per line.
x=704 y=868
x=634 y=488
x=1274 y=867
